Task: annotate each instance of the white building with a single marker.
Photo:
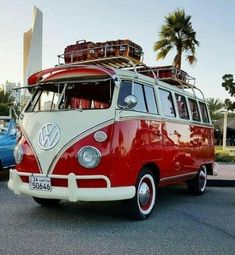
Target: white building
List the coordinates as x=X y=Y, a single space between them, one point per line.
x=32 y=51
x=10 y=88
x=47 y=105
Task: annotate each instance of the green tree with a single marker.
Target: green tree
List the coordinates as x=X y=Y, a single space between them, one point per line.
x=215 y=105
x=229 y=85
x=4 y=110
x=177 y=32
x=6 y=101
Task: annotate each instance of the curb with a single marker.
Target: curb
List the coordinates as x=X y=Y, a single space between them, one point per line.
x=225 y=163
x=221 y=183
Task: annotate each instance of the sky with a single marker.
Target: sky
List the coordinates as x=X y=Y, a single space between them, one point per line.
x=65 y=22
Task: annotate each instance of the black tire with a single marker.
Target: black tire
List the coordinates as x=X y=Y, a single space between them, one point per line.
x=197 y=186
x=142 y=205
x=46 y=202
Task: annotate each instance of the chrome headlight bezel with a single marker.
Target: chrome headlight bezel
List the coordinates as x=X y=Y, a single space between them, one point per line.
x=89 y=157
x=18 y=153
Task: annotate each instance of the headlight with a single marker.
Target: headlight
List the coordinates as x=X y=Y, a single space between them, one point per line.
x=89 y=157
x=18 y=153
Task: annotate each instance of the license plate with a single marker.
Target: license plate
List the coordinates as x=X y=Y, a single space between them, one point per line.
x=41 y=183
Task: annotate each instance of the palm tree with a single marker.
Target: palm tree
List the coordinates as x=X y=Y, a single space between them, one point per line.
x=6 y=98
x=177 y=32
x=215 y=105
x=6 y=101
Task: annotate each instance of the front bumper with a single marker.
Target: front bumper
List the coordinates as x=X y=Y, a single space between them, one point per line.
x=71 y=193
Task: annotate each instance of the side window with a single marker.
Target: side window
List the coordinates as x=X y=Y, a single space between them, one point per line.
x=204 y=113
x=125 y=90
x=150 y=99
x=194 y=109
x=182 y=106
x=144 y=94
x=167 y=103
x=139 y=93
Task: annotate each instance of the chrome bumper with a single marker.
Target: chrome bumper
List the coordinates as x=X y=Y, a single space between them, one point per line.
x=71 y=193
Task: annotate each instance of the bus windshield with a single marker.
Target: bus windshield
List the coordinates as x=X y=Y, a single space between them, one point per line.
x=72 y=95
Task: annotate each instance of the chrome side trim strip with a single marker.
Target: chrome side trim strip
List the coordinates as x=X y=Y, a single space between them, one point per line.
x=175 y=177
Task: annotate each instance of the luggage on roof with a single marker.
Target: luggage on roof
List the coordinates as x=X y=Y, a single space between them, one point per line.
x=85 y=51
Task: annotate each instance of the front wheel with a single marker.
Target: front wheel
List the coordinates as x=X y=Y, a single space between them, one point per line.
x=46 y=202
x=141 y=206
x=197 y=186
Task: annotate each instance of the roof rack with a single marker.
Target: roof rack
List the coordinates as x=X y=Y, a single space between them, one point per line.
x=169 y=74
x=115 y=62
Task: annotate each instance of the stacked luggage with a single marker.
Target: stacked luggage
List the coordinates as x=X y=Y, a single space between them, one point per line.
x=164 y=72
x=109 y=53
x=85 y=51
x=77 y=52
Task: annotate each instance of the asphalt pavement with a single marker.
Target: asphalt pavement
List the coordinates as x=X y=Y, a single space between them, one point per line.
x=181 y=224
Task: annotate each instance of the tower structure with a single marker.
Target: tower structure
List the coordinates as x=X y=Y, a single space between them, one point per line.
x=32 y=49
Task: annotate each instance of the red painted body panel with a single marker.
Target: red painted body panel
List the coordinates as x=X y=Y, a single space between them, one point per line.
x=135 y=143
x=186 y=148
x=130 y=145
x=68 y=161
x=175 y=149
x=29 y=163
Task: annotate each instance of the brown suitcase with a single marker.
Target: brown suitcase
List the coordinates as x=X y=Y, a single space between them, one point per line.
x=170 y=72
x=111 y=48
x=91 y=51
x=82 y=50
x=77 y=52
x=164 y=72
x=99 y=50
x=127 y=48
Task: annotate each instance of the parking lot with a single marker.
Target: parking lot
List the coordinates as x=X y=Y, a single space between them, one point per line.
x=180 y=224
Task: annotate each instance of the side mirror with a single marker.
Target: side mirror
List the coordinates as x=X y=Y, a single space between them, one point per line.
x=130 y=102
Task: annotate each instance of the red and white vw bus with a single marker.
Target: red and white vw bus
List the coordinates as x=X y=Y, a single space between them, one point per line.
x=99 y=133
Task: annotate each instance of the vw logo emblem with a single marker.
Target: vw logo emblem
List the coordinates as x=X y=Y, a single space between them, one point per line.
x=49 y=136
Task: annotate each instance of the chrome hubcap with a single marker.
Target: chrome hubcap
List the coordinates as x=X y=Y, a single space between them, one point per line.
x=144 y=194
x=202 y=178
